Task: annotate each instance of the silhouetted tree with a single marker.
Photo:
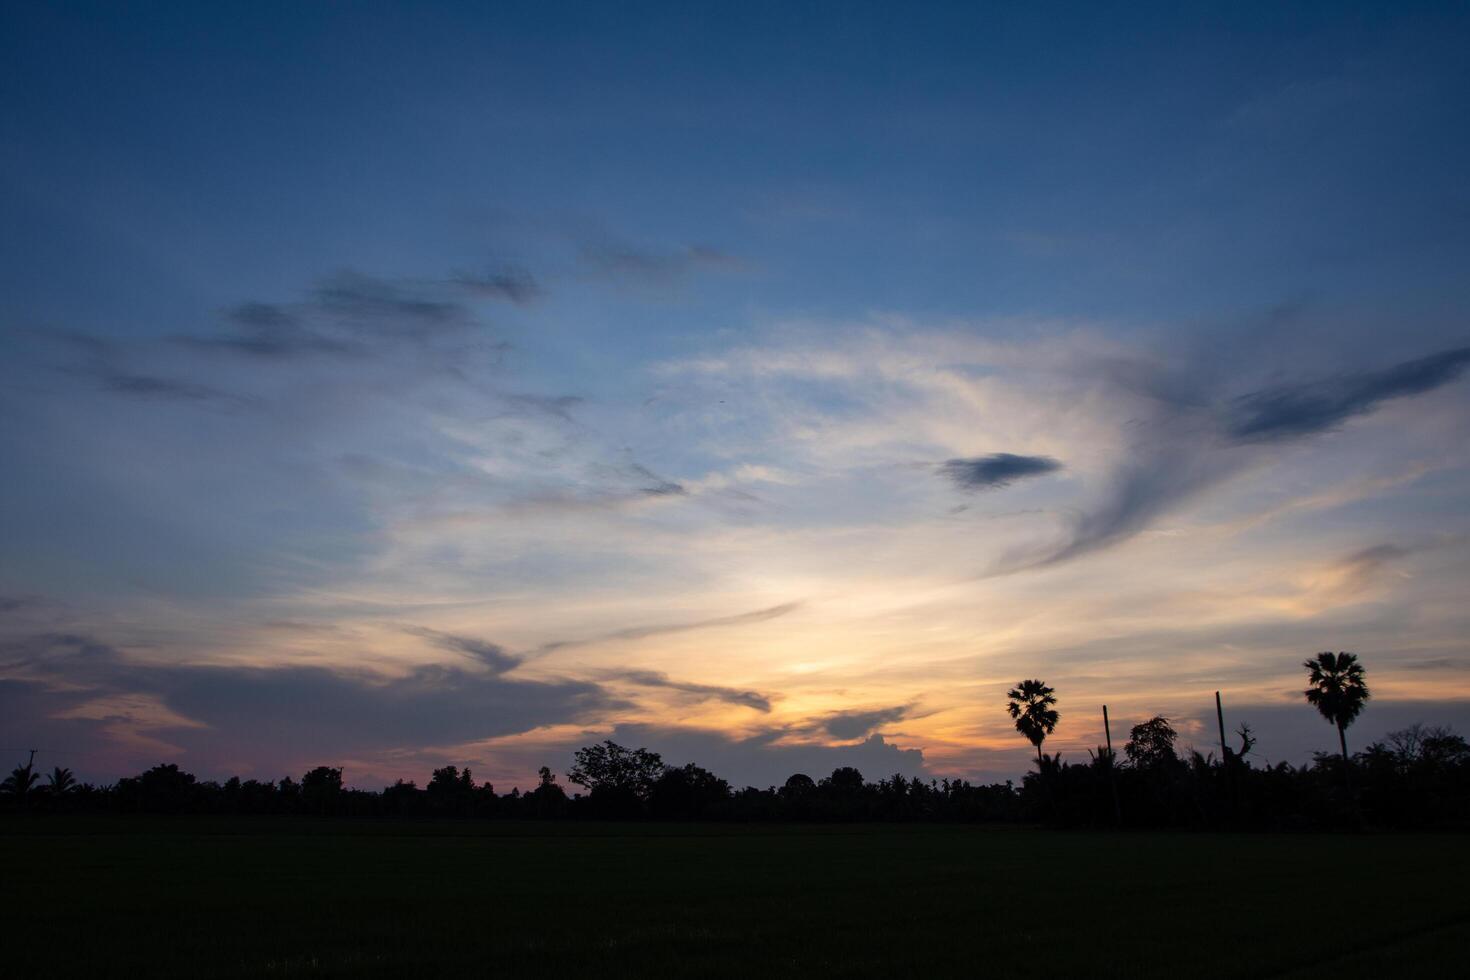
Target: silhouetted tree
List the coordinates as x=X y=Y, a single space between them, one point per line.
x=688 y=793
x=1151 y=744
x=610 y=766
x=401 y=798
x=320 y=788
x=162 y=789
x=548 y=799
x=1032 y=704
x=799 y=784
x=20 y=782
x=288 y=794
x=60 y=781
x=1338 y=691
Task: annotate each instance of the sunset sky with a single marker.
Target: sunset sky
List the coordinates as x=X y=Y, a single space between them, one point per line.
x=774 y=386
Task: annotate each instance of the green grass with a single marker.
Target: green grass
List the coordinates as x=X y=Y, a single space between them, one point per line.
x=238 y=898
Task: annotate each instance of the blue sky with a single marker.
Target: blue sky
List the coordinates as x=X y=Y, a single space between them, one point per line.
x=598 y=334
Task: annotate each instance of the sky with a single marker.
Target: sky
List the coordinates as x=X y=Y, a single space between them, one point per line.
x=389 y=386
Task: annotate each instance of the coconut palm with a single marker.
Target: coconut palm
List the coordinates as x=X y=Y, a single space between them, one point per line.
x=1032 y=705
x=1338 y=691
x=20 y=781
x=61 y=781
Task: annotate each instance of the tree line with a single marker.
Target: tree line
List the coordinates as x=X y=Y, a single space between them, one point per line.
x=1416 y=777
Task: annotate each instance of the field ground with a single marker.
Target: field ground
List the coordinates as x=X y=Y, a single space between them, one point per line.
x=199 y=897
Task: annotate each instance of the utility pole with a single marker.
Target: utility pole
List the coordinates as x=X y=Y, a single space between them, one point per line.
x=1112 y=765
x=1220 y=717
x=1229 y=770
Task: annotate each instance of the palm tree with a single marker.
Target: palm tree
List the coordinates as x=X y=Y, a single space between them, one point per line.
x=20 y=781
x=1031 y=704
x=61 y=781
x=1338 y=691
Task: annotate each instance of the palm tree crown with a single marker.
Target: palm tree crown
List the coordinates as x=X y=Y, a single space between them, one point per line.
x=1031 y=704
x=20 y=781
x=1338 y=690
x=61 y=780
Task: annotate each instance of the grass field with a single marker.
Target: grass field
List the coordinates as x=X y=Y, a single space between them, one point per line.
x=235 y=898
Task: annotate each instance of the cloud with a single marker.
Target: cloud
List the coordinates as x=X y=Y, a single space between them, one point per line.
x=1437 y=663
x=559 y=406
x=286 y=716
x=996 y=471
x=1143 y=489
x=348 y=314
x=1188 y=448
x=642 y=632
x=266 y=330
x=1350 y=577
x=657 y=678
x=366 y=299
x=1370 y=560
x=848 y=725
x=487 y=653
x=1292 y=411
x=623 y=261
x=656 y=485
x=513 y=285
x=150 y=386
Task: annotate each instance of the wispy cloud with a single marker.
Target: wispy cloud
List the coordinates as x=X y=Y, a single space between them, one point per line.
x=1186 y=449
x=656 y=678
x=664 y=629
x=266 y=330
x=487 y=653
x=511 y=284
x=618 y=260
x=1293 y=411
x=397 y=307
x=150 y=386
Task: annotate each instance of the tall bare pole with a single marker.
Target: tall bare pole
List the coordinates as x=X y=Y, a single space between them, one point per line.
x=1220 y=717
x=1112 y=764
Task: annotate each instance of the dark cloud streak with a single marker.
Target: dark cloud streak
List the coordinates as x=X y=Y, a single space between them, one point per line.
x=642 y=632
x=657 y=678
x=483 y=651
x=848 y=725
x=1293 y=411
x=996 y=471
x=1190 y=446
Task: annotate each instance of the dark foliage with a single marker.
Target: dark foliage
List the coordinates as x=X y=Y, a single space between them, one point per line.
x=1417 y=778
